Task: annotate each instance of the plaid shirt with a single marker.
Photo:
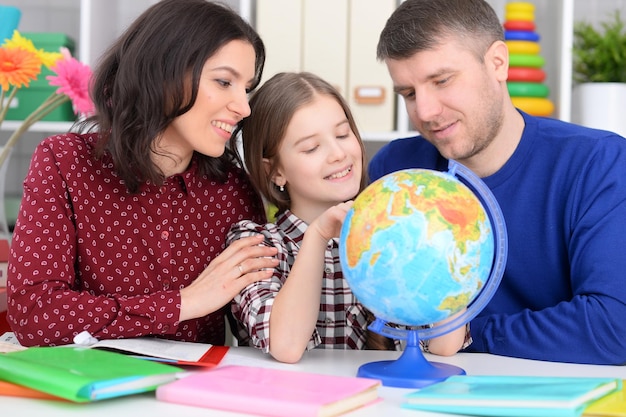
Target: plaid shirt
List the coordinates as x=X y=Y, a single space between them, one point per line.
x=341 y=323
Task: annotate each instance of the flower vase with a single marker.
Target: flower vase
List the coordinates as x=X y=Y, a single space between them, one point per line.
x=4 y=227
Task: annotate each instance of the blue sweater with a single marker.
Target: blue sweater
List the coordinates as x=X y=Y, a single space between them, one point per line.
x=563 y=195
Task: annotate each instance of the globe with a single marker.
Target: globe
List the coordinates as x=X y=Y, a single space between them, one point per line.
x=417 y=247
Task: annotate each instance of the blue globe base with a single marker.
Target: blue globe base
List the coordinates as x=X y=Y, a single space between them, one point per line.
x=407 y=280
x=410 y=370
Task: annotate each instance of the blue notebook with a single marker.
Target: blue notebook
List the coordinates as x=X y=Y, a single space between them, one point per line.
x=511 y=396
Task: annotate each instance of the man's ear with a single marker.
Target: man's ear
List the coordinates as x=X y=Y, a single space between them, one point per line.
x=497 y=58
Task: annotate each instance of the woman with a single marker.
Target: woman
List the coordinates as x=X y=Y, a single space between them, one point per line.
x=122 y=228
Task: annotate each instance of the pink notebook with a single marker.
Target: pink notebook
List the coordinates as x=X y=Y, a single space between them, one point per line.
x=270 y=392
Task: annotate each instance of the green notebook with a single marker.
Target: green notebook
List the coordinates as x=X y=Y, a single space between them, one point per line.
x=511 y=396
x=83 y=374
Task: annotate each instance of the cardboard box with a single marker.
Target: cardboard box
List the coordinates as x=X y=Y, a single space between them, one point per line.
x=29 y=98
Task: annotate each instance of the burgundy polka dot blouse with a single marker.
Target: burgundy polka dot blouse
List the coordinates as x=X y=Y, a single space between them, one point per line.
x=87 y=255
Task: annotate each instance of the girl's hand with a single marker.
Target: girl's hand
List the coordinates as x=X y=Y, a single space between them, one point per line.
x=328 y=225
x=449 y=343
x=243 y=262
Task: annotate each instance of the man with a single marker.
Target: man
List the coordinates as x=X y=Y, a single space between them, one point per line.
x=561 y=187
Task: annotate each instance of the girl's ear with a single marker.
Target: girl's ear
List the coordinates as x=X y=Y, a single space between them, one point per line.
x=267 y=166
x=278 y=177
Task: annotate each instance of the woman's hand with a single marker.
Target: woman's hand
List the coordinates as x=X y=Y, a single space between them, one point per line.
x=243 y=262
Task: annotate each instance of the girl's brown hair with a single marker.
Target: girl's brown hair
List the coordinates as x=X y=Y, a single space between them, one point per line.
x=272 y=107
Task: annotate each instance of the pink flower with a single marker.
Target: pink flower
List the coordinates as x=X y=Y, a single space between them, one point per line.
x=73 y=78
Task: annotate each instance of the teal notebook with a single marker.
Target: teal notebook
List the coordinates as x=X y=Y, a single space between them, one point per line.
x=511 y=396
x=83 y=374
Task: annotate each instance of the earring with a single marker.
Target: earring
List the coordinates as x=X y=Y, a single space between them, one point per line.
x=281 y=188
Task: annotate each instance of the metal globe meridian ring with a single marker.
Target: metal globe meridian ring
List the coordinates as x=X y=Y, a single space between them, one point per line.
x=417 y=247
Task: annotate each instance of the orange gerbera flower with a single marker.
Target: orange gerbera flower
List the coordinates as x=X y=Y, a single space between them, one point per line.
x=18 y=67
x=18 y=41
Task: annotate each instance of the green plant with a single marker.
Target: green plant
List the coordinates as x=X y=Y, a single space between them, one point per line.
x=600 y=56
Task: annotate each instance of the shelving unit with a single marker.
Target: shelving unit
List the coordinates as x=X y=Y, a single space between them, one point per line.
x=94 y=31
x=554 y=19
x=46 y=127
x=94 y=24
x=101 y=22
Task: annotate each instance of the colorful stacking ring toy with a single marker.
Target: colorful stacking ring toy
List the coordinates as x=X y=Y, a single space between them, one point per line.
x=526 y=60
x=526 y=16
x=523 y=48
x=522 y=6
x=521 y=35
x=523 y=25
x=520 y=11
x=527 y=89
x=527 y=74
x=534 y=105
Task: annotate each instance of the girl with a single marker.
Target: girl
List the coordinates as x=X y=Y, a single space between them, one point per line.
x=304 y=153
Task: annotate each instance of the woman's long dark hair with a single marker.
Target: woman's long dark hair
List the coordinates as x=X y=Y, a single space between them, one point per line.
x=150 y=76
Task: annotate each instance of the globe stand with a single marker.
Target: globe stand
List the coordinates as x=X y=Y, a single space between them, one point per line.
x=411 y=369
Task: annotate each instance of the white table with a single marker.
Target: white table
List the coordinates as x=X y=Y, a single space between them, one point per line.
x=337 y=362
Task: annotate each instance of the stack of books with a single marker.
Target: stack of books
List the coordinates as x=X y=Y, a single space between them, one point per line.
x=105 y=369
x=88 y=373
x=79 y=374
x=520 y=396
